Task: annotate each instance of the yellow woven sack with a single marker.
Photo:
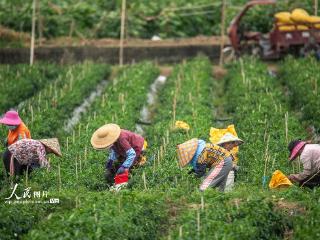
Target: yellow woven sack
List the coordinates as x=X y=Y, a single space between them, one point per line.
x=216 y=134
x=314 y=19
x=182 y=125
x=299 y=15
x=283 y=17
x=288 y=28
x=279 y=180
x=302 y=27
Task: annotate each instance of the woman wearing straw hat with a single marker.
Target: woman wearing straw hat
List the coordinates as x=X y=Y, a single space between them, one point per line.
x=27 y=153
x=310 y=159
x=17 y=129
x=126 y=150
x=201 y=155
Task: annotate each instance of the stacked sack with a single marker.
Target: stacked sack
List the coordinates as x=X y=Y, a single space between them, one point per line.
x=299 y=18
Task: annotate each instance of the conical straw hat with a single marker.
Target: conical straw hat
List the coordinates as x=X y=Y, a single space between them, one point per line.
x=105 y=136
x=228 y=137
x=186 y=151
x=53 y=145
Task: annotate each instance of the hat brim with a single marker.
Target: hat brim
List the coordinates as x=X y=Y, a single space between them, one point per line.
x=238 y=142
x=105 y=136
x=295 y=151
x=53 y=150
x=7 y=121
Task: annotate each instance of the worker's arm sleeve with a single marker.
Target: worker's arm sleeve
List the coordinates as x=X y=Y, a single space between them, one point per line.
x=307 y=171
x=112 y=155
x=125 y=145
x=130 y=156
x=42 y=157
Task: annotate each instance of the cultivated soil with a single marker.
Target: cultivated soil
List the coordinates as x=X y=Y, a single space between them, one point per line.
x=133 y=42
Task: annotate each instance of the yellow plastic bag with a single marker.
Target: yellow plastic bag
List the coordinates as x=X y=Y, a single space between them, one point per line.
x=288 y=28
x=216 y=134
x=283 y=17
x=145 y=145
x=182 y=125
x=299 y=15
x=279 y=180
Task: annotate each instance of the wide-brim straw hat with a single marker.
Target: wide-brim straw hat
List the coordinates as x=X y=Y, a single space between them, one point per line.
x=11 y=118
x=53 y=145
x=105 y=136
x=229 y=138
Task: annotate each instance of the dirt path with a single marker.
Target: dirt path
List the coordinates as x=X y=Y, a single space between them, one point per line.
x=109 y=42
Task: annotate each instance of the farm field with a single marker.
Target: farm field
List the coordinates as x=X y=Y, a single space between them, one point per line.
x=162 y=201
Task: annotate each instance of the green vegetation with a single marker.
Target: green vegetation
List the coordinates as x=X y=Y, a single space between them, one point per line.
x=162 y=201
x=47 y=112
x=19 y=82
x=82 y=167
x=261 y=114
x=302 y=78
x=100 y=19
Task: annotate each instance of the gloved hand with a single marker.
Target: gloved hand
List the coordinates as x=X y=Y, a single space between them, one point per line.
x=235 y=168
x=293 y=179
x=201 y=170
x=109 y=164
x=121 y=169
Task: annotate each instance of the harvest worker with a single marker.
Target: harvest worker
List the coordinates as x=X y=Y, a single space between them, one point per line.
x=126 y=151
x=17 y=129
x=201 y=155
x=27 y=153
x=310 y=159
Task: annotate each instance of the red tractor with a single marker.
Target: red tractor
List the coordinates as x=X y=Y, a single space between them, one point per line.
x=276 y=43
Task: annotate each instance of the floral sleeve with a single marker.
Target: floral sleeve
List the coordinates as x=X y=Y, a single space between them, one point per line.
x=42 y=157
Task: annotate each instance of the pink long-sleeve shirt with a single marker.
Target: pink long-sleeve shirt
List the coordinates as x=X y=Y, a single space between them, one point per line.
x=310 y=159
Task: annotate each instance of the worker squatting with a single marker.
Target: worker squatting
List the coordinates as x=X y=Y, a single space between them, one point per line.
x=211 y=162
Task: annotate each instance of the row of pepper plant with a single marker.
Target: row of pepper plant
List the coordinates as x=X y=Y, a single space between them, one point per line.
x=145 y=213
x=248 y=211
x=302 y=80
x=191 y=92
x=261 y=113
x=81 y=171
x=163 y=201
x=45 y=114
x=21 y=81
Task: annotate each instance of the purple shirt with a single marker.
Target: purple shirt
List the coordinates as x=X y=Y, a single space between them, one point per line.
x=126 y=141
